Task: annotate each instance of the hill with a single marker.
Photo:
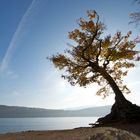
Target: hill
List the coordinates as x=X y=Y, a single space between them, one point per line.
x=25 y=112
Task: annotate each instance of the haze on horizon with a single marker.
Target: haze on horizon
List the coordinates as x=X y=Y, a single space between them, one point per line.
x=31 y=30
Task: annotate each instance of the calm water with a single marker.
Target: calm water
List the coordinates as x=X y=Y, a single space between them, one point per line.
x=25 y=124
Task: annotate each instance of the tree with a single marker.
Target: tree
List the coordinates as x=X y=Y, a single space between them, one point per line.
x=135 y=16
x=103 y=60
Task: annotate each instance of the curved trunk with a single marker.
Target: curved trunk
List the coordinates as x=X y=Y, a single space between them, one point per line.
x=122 y=111
x=119 y=97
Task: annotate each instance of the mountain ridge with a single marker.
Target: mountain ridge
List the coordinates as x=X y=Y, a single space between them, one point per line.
x=23 y=112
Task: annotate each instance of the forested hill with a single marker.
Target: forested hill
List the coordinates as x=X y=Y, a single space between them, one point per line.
x=22 y=112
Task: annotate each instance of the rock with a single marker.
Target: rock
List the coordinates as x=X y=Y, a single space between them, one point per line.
x=121 y=113
x=113 y=134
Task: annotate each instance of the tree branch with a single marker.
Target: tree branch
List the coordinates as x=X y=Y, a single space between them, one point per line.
x=97 y=57
x=106 y=62
x=88 y=45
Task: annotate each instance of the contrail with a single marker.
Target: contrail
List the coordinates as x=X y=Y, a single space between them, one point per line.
x=16 y=37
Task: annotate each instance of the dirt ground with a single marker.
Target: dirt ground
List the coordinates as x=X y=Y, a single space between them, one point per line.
x=117 y=132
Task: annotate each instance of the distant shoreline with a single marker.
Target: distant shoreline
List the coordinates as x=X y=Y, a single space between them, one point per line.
x=25 y=112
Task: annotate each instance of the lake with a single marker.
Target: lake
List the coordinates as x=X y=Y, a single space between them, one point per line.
x=56 y=123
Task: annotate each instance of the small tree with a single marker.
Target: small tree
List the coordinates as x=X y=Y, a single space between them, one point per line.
x=135 y=16
x=100 y=59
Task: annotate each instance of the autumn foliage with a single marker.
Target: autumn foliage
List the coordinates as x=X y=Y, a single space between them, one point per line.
x=97 y=57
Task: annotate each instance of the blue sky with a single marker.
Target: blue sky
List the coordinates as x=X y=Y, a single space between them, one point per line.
x=31 y=30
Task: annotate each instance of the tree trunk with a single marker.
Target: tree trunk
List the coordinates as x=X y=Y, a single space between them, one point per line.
x=119 y=97
x=123 y=110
